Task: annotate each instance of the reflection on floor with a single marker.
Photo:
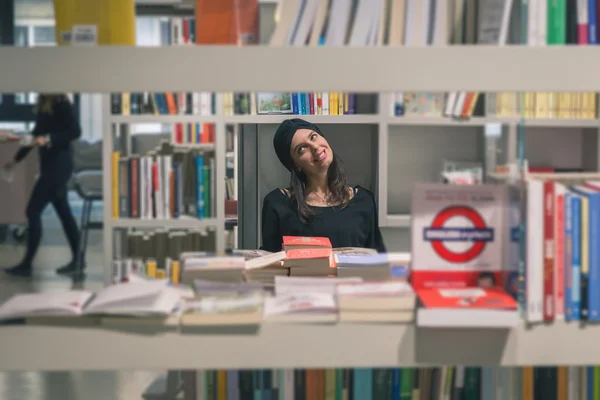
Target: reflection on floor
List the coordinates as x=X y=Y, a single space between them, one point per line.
x=53 y=253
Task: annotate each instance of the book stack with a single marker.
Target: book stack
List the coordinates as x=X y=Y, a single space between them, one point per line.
x=373 y=267
x=308 y=256
x=219 y=303
x=266 y=268
x=387 y=301
x=212 y=268
x=301 y=308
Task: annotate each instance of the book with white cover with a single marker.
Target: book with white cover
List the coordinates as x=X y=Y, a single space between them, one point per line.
x=294 y=285
x=132 y=299
x=304 y=307
x=55 y=303
x=385 y=295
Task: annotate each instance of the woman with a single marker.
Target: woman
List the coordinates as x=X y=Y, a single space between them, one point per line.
x=55 y=128
x=318 y=202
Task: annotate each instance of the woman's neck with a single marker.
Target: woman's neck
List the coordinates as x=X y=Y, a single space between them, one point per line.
x=317 y=184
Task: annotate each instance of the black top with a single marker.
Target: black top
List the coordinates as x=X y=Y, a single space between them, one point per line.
x=62 y=128
x=355 y=225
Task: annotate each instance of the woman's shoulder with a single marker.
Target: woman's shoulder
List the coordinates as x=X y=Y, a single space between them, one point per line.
x=276 y=196
x=363 y=193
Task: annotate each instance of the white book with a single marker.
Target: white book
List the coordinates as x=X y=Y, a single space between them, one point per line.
x=166 y=192
x=304 y=284
x=535 y=250
x=148 y=188
x=158 y=199
x=314 y=307
x=132 y=299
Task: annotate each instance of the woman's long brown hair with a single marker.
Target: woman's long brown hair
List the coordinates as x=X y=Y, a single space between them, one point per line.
x=46 y=101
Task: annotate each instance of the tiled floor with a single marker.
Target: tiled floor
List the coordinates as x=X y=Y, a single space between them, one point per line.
x=100 y=385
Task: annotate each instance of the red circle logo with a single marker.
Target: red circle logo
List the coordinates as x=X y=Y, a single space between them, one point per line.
x=478 y=234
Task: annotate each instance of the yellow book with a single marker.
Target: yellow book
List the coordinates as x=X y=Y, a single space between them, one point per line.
x=175 y=272
x=64 y=14
x=114 y=20
x=114 y=173
x=221 y=385
x=527 y=386
x=161 y=274
x=151 y=268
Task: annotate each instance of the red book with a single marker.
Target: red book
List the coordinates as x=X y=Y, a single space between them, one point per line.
x=559 y=261
x=295 y=242
x=491 y=298
x=549 y=208
x=302 y=254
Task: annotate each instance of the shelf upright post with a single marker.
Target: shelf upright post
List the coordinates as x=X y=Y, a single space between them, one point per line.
x=220 y=165
x=107 y=149
x=382 y=159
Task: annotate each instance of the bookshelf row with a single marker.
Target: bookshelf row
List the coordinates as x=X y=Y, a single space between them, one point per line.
x=415 y=105
x=446 y=382
x=358 y=119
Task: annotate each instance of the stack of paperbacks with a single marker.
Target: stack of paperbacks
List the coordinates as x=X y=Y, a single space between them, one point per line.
x=308 y=256
x=303 y=300
x=383 y=301
x=220 y=303
x=198 y=266
x=265 y=268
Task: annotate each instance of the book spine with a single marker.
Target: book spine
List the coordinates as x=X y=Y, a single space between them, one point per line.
x=568 y=251
x=594 y=260
x=549 y=294
x=576 y=257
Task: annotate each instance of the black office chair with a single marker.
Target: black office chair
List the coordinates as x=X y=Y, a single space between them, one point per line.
x=89 y=193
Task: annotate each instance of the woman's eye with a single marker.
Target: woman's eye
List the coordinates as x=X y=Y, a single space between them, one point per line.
x=313 y=137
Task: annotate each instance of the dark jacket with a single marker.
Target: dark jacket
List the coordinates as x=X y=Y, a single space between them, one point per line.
x=62 y=128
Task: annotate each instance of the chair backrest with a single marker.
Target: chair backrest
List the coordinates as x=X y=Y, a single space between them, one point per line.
x=87 y=155
x=142 y=143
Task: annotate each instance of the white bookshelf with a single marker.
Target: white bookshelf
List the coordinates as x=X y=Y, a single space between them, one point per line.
x=184 y=222
x=292 y=346
x=386 y=125
x=366 y=69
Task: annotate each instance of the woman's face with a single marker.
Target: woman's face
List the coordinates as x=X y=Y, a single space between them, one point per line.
x=310 y=152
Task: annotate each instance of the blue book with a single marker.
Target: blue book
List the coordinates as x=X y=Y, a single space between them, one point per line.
x=592 y=286
x=592 y=23
x=568 y=245
x=356 y=260
x=362 y=384
x=199 y=187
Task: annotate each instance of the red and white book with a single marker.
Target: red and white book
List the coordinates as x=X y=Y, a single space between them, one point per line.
x=467 y=307
x=549 y=251
x=559 y=257
x=303 y=242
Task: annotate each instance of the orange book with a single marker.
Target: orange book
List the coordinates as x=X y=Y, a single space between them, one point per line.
x=303 y=254
x=227 y=22
x=296 y=242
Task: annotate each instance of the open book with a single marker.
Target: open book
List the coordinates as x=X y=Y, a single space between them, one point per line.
x=150 y=298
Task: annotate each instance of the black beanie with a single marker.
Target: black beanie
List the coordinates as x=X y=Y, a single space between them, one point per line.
x=282 y=141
